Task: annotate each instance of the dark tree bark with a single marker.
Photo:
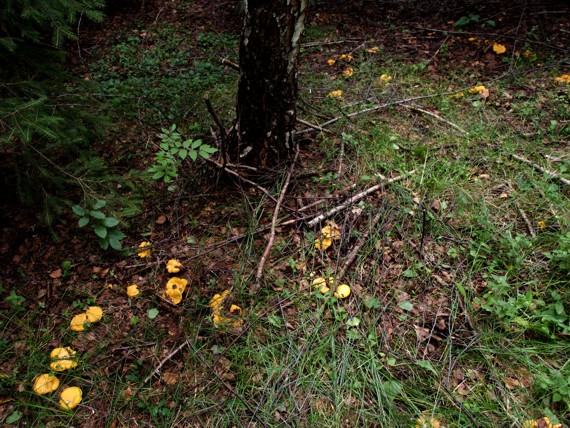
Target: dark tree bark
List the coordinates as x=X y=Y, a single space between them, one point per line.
x=267 y=90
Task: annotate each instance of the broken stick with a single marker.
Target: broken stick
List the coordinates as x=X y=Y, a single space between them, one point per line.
x=551 y=174
x=350 y=201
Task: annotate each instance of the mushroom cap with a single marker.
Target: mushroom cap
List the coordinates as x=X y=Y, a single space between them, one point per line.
x=133 y=290
x=70 y=398
x=217 y=300
x=322 y=282
x=173 y=266
x=176 y=283
x=173 y=295
x=45 y=383
x=78 y=322
x=144 y=249
x=319 y=282
x=94 y=313
x=235 y=308
x=342 y=291
x=62 y=359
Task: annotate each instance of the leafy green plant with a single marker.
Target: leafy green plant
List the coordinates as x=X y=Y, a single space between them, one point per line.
x=15 y=300
x=524 y=310
x=106 y=228
x=173 y=151
x=560 y=257
x=554 y=387
x=464 y=21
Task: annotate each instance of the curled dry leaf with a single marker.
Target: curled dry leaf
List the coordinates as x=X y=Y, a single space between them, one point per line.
x=62 y=359
x=46 y=383
x=70 y=398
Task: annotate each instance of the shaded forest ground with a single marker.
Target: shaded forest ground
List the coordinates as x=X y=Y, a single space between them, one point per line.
x=458 y=312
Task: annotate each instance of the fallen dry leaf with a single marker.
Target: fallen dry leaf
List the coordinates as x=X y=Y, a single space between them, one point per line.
x=55 y=274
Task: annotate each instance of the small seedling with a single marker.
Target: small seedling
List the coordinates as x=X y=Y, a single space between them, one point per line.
x=106 y=228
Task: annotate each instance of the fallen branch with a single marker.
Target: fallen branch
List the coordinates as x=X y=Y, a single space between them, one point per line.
x=350 y=201
x=367 y=110
x=435 y=116
x=275 y=219
x=541 y=169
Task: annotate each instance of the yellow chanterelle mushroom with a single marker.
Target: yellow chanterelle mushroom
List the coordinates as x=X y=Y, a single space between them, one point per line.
x=46 y=383
x=342 y=291
x=62 y=359
x=70 y=398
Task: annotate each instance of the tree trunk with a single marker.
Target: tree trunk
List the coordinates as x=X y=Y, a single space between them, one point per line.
x=267 y=89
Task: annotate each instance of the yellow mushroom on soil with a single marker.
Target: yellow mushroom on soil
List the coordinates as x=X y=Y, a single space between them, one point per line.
x=62 y=359
x=94 y=313
x=342 y=291
x=173 y=266
x=78 y=322
x=46 y=383
x=133 y=290
x=322 y=283
x=70 y=398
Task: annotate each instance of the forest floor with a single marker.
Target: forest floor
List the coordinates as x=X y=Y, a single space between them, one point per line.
x=443 y=186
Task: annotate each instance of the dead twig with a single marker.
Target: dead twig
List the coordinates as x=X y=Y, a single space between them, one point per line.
x=329 y=42
x=358 y=246
x=350 y=201
x=551 y=174
x=242 y=178
x=230 y=64
x=340 y=157
x=435 y=116
x=275 y=219
x=439 y=49
x=223 y=133
x=310 y=125
x=526 y=220
x=165 y=360
x=493 y=35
